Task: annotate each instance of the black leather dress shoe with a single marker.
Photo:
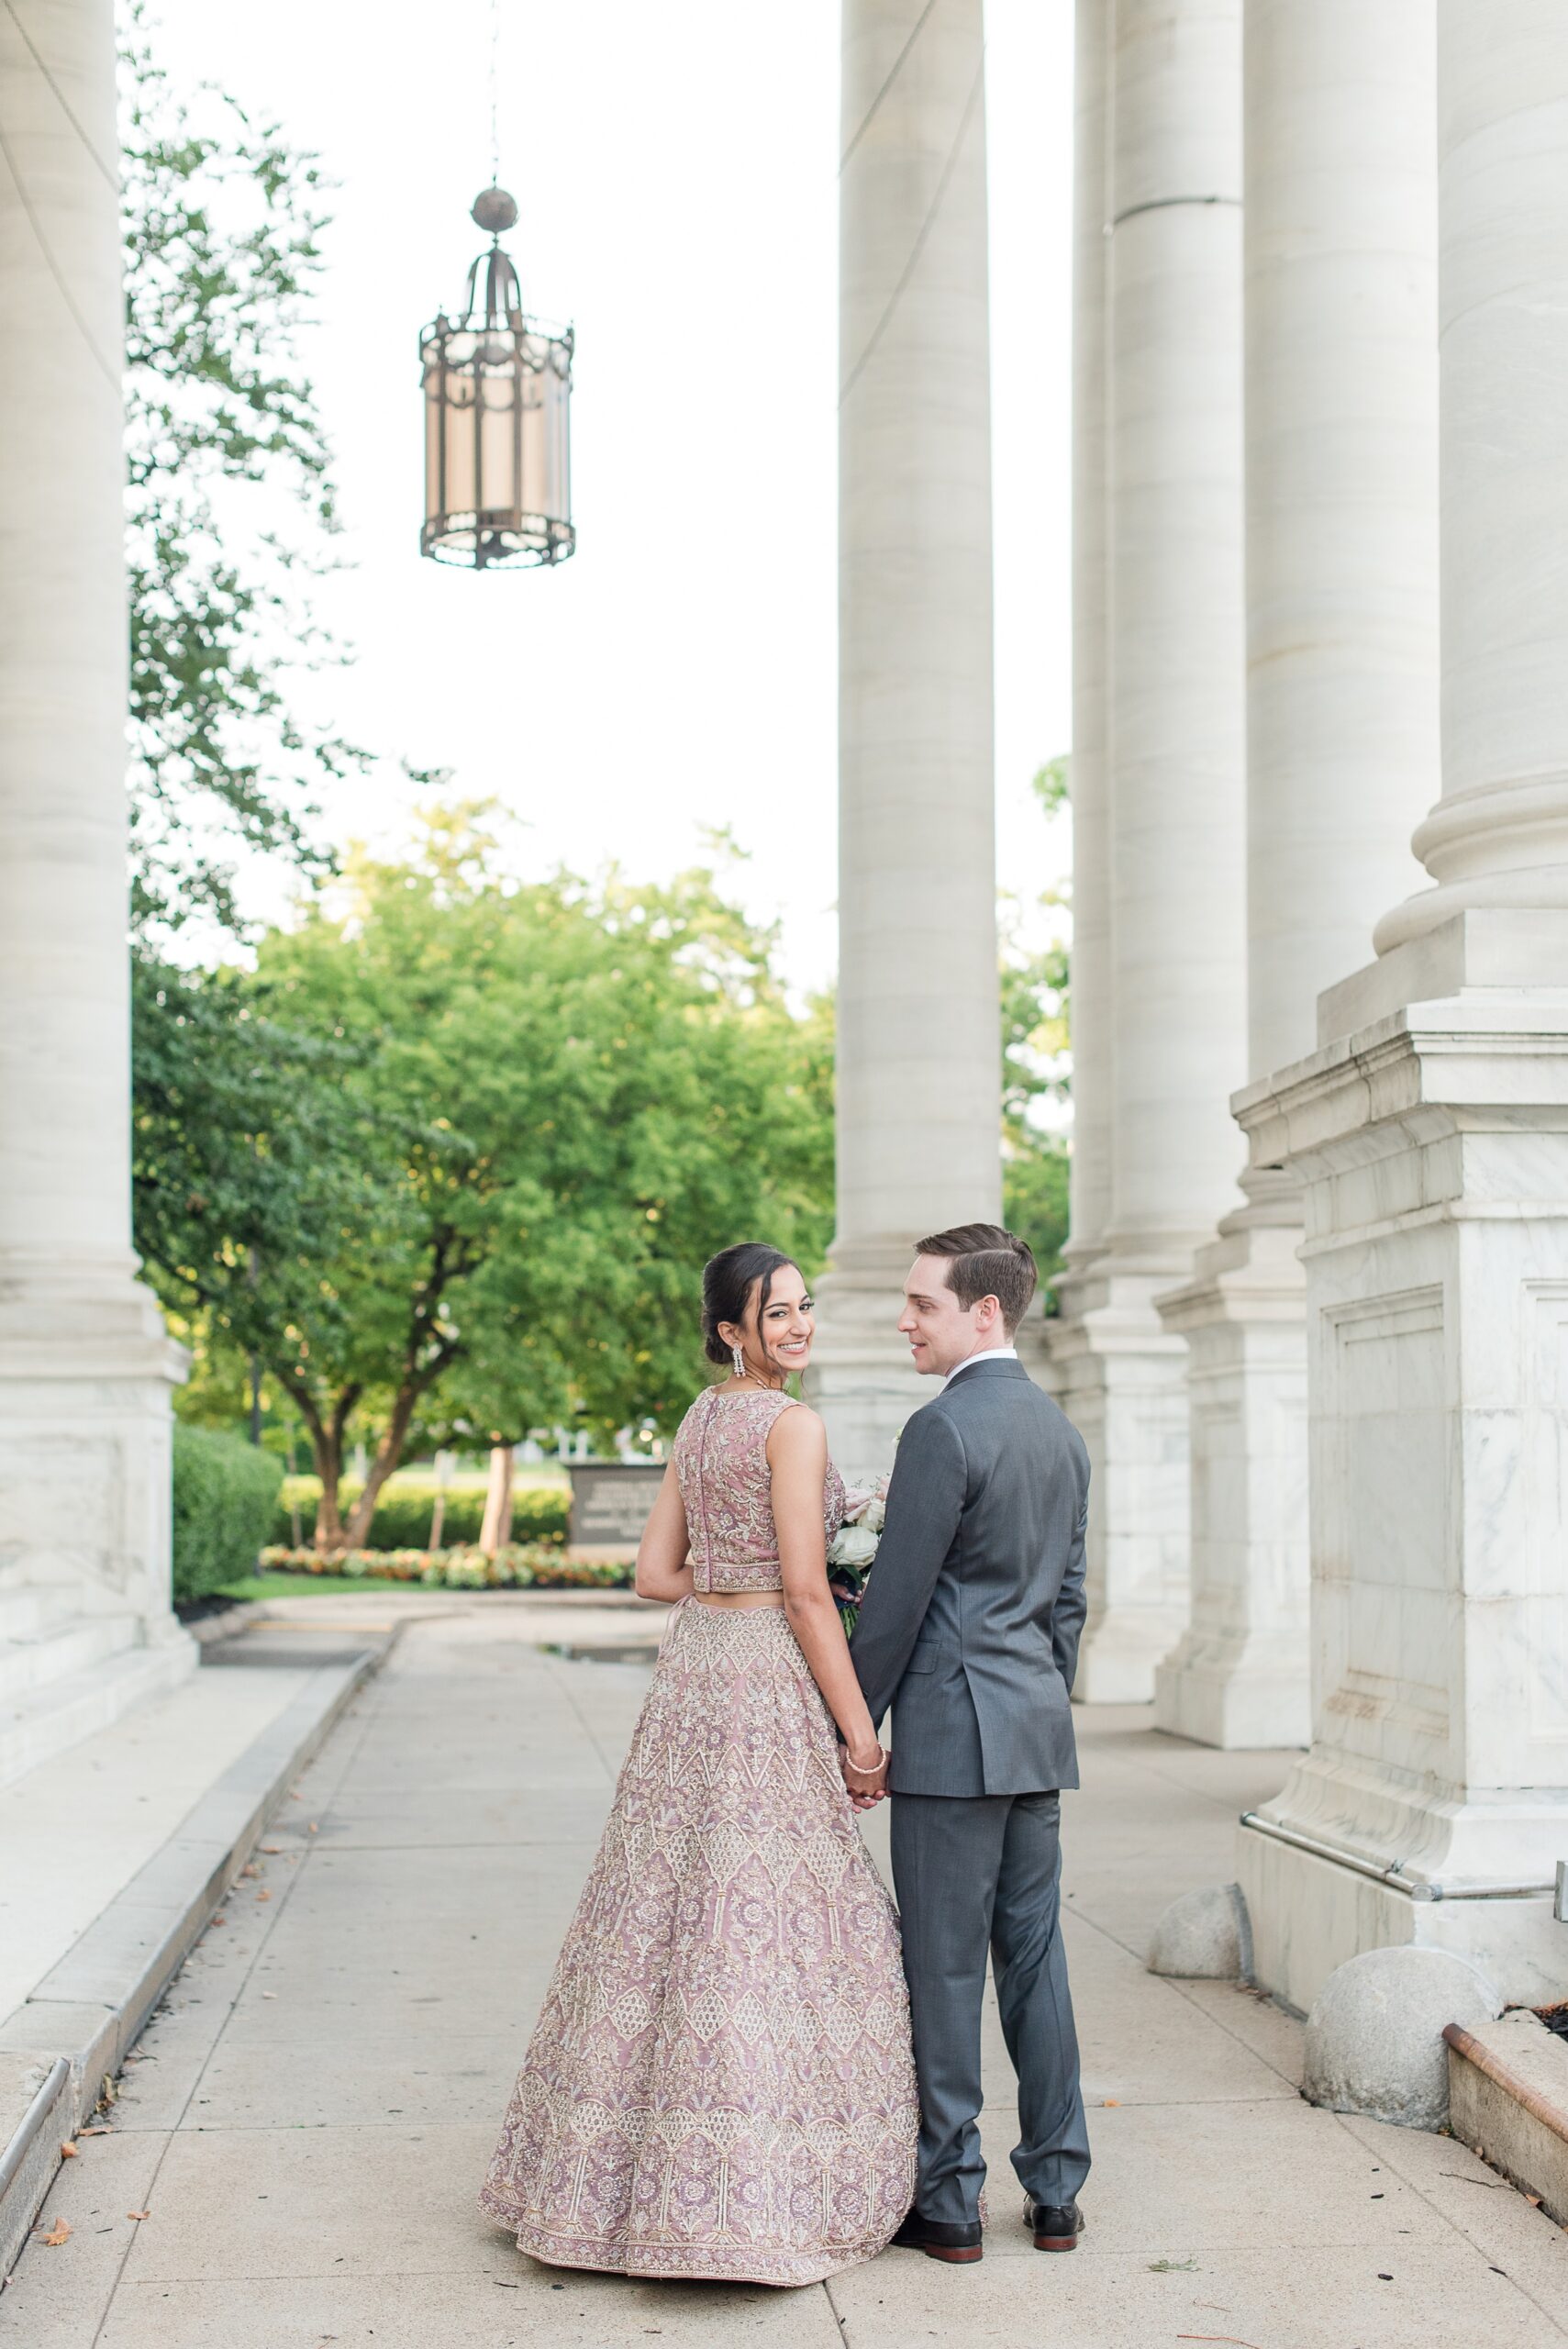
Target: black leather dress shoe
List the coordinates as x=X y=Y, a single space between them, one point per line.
x=939 y=2238
x=1054 y=2226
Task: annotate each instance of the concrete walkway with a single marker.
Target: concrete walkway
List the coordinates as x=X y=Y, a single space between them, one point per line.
x=75 y=1832
x=313 y=2110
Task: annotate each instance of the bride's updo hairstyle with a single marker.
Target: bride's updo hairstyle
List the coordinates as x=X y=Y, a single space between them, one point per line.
x=727 y=1280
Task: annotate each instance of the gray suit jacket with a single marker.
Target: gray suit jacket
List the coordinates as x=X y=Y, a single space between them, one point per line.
x=971 y=1620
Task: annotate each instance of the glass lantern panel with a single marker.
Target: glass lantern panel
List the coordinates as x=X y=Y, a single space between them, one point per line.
x=536 y=453
x=432 y=443
x=461 y=445
x=554 y=436
x=500 y=468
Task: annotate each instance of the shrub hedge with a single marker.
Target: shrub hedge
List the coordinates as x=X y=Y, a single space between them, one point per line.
x=534 y=1565
x=402 y=1520
x=224 y=1495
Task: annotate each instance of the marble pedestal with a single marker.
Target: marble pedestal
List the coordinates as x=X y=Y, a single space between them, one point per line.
x=86 y=1629
x=1240 y=1677
x=1122 y=1379
x=1431 y=1139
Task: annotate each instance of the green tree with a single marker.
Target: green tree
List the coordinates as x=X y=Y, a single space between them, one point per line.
x=1035 y=992
x=255 y=1158
x=229 y=519
x=462 y=1145
x=223 y=221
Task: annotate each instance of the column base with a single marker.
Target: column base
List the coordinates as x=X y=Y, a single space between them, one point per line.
x=861 y=1378
x=1120 y=1378
x=1241 y=1674
x=1309 y=1914
x=1431 y=1141
x=1238 y=1692
x=86 y=1625
x=1033 y=1341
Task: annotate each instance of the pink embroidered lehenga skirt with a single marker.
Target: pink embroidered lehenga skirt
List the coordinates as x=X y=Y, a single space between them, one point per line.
x=720 y=2082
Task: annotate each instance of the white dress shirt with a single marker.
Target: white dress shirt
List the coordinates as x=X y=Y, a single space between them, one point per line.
x=987 y=1353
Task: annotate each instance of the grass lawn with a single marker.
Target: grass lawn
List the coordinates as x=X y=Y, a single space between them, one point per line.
x=310 y=1586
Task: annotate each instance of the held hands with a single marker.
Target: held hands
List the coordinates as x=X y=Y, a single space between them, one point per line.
x=867 y=1786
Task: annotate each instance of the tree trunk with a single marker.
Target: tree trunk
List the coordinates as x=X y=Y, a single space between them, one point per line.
x=328 y=1533
x=389 y=1451
x=496 y=1531
x=438 y=1513
x=327 y=1448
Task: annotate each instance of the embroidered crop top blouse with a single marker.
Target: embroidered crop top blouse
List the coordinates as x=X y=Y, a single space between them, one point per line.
x=721 y=1466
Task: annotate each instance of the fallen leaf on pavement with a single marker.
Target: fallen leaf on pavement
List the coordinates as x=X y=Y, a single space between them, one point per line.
x=139 y=2214
x=99 y=2130
x=1110 y=2104
x=264 y=1895
x=58 y=2234
x=311 y=1829
x=68 y=2151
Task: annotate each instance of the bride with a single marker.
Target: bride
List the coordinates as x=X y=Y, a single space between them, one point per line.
x=720 y=2082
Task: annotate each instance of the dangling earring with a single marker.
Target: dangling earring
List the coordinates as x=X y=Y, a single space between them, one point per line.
x=740 y=1362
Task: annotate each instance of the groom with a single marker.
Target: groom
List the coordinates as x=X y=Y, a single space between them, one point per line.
x=969 y=1629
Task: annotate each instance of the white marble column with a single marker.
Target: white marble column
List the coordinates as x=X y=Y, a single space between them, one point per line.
x=85 y=1366
x=1093 y=1020
x=1430 y=1129
x=1053 y=1348
x=1175 y=783
x=919 y=1050
x=1339 y=237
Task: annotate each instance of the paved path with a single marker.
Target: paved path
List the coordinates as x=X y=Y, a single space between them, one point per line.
x=316 y=2104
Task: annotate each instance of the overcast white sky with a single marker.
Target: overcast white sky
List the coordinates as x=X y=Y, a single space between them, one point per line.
x=676 y=167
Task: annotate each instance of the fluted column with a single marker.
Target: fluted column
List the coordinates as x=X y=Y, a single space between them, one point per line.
x=1339 y=231
x=1093 y=1019
x=1060 y=1349
x=84 y=1363
x=1498 y=837
x=1176 y=792
x=1431 y=1133
x=918 y=1051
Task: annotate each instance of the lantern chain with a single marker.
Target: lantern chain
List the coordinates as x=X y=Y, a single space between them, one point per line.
x=494 y=92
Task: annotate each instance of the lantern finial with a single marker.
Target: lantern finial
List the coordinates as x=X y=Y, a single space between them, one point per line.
x=495 y=210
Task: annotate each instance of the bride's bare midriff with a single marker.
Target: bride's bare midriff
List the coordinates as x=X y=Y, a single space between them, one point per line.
x=739 y=1597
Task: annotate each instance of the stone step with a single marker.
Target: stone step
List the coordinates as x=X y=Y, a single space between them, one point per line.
x=46 y=1720
x=1507 y=2087
x=58 y=1653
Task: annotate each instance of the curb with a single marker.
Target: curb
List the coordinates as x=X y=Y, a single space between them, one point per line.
x=1508 y=2102
x=204 y=1629
x=85 y=2016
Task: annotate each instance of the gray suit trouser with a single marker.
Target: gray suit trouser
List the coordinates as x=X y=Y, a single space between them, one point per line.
x=973 y=1873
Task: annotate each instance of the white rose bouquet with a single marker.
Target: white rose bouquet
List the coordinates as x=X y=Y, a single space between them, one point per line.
x=852 y=1549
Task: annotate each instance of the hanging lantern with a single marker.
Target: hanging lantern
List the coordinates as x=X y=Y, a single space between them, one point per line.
x=498 y=400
